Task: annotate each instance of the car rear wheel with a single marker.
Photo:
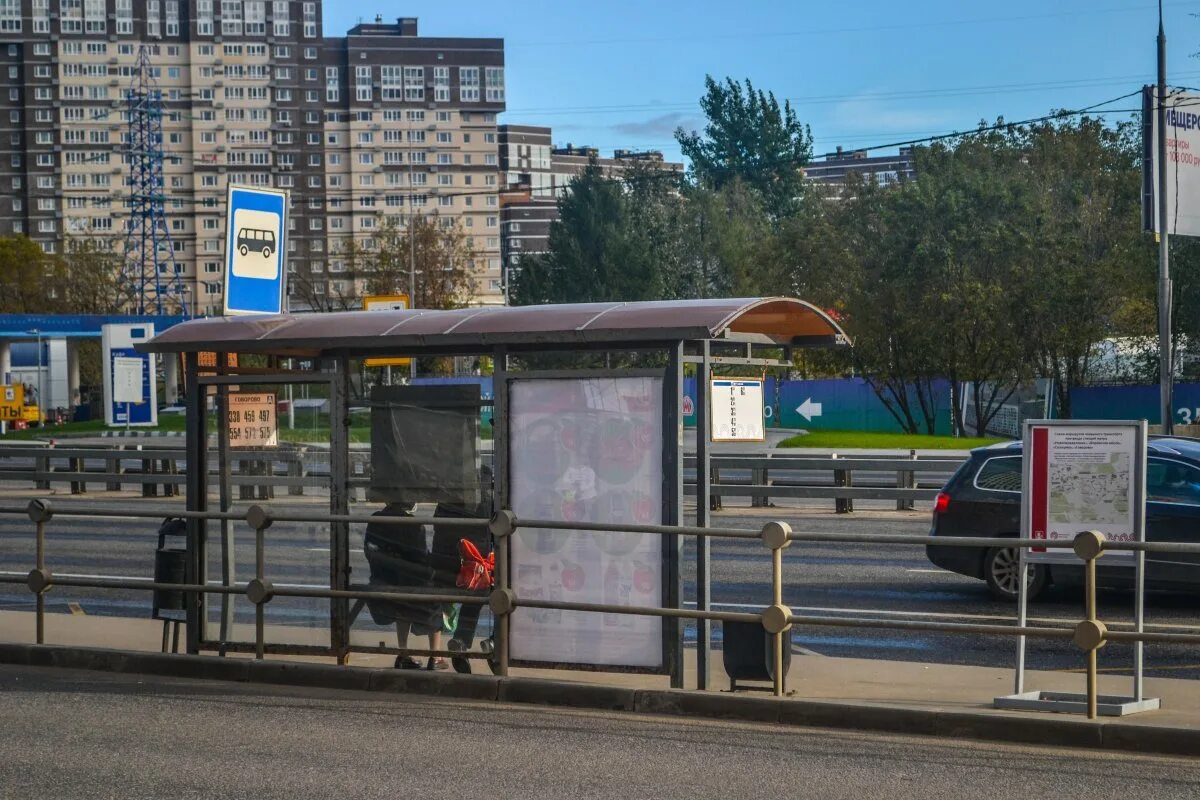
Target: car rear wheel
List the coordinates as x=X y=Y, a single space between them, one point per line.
x=1002 y=571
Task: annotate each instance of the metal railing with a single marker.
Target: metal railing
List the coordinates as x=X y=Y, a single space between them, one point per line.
x=258 y=473
x=1089 y=635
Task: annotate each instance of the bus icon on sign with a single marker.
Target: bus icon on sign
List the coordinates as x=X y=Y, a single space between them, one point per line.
x=256 y=244
x=257 y=241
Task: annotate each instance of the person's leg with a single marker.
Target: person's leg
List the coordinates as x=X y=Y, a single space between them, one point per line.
x=404 y=662
x=435 y=643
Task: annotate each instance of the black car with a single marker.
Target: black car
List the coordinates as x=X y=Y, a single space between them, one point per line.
x=983 y=499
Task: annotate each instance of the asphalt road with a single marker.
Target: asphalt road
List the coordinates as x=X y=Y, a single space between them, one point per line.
x=891 y=582
x=90 y=735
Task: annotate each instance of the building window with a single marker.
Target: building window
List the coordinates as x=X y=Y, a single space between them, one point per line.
x=362 y=84
x=71 y=16
x=468 y=84
x=153 y=21
x=41 y=20
x=256 y=17
x=441 y=85
x=495 y=84
x=331 y=85
x=204 y=20
x=172 y=20
x=231 y=17
x=310 y=20
x=391 y=86
x=279 y=14
x=414 y=83
x=10 y=16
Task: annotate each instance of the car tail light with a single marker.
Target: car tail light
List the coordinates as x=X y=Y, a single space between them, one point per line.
x=941 y=503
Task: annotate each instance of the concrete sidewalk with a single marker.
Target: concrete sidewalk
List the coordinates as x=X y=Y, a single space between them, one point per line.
x=823 y=691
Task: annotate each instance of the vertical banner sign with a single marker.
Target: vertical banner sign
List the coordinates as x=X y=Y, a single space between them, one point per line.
x=251 y=420
x=255 y=231
x=1183 y=162
x=1083 y=476
x=587 y=450
x=737 y=410
x=127 y=380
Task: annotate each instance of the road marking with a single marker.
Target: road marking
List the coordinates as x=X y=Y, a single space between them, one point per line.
x=930 y=571
x=316 y=549
x=76 y=609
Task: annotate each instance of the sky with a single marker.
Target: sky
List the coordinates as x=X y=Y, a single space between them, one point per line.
x=861 y=73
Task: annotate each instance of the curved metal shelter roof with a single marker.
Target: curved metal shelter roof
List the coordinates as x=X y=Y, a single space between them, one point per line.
x=778 y=320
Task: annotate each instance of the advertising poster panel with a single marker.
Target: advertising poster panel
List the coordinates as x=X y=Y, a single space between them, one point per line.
x=587 y=449
x=1084 y=476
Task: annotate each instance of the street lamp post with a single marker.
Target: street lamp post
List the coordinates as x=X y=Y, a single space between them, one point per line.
x=41 y=405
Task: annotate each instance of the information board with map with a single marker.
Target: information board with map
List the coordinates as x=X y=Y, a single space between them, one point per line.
x=1084 y=476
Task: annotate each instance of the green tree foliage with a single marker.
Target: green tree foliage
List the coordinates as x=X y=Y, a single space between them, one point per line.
x=749 y=137
x=609 y=243
x=31 y=282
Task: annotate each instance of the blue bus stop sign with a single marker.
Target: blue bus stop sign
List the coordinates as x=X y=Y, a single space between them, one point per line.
x=255 y=228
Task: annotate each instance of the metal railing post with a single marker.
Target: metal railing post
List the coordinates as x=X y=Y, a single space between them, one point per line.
x=776 y=618
x=502 y=526
x=906 y=479
x=842 y=477
x=39 y=578
x=1090 y=633
x=259 y=591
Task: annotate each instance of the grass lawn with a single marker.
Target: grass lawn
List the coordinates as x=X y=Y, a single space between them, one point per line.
x=883 y=441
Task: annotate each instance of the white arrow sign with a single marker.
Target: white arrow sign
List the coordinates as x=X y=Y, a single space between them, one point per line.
x=808 y=409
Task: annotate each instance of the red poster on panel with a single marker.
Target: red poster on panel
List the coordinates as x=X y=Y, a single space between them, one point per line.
x=1040 y=485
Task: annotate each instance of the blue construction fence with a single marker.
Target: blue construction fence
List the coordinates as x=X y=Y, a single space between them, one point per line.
x=1135 y=402
x=844 y=404
x=848 y=404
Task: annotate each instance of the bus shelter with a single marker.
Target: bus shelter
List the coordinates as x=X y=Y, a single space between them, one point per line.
x=586 y=423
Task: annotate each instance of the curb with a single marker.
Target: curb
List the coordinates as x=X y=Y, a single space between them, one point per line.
x=1042 y=729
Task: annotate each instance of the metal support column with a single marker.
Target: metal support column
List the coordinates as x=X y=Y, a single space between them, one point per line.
x=703 y=543
x=339 y=503
x=501 y=625
x=673 y=507
x=197 y=500
x=228 y=550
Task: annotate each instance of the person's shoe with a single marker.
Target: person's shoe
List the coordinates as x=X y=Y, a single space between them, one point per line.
x=406 y=662
x=437 y=664
x=488 y=646
x=461 y=664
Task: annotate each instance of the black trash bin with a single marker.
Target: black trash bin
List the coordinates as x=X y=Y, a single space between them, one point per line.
x=170 y=566
x=747 y=652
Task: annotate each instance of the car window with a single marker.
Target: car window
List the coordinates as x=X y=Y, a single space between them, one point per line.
x=1172 y=482
x=1000 y=474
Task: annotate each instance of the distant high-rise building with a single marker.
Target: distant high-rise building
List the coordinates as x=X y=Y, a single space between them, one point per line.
x=361 y=129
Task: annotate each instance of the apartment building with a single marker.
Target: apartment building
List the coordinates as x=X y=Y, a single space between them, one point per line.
x=536 y=174
x=833 y=170
x=362 y=130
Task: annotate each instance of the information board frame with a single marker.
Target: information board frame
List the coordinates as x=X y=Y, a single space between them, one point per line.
x=669 y=573
x=1045 y=447
x=716 y=417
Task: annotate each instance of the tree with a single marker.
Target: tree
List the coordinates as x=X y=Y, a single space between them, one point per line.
x=93 y=276
x=749 y=137
x=443 y=254
x=31 y=282
x=608 y=243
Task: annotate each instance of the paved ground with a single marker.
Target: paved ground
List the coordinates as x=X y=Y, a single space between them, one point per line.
x=87 y=735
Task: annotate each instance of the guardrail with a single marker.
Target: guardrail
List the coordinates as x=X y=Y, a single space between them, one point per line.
x=1089 y=635
x=257 y=473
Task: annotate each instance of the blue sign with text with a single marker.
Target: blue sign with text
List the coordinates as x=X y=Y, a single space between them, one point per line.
x=255 y=229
